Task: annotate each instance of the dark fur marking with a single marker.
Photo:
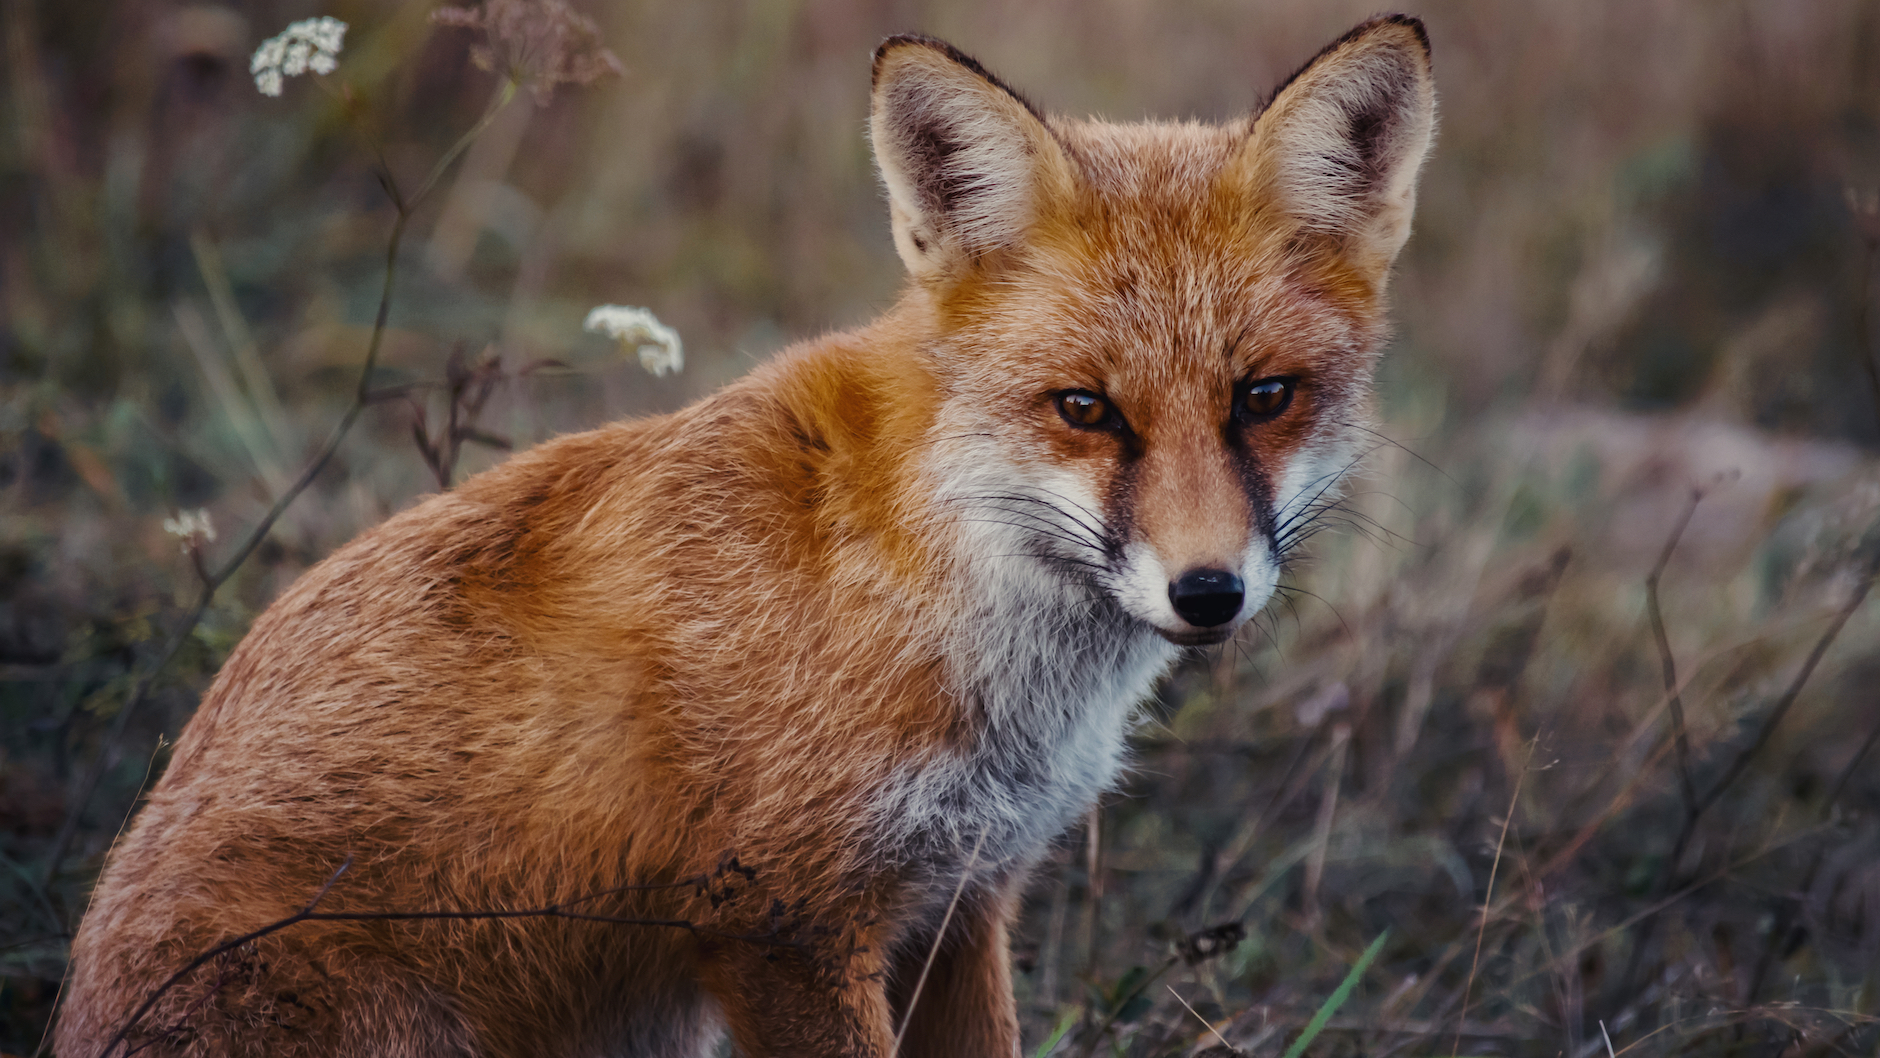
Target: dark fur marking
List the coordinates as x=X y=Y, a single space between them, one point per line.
x=958 y=56
x=808 y=440
x=929 y=142
x=1371 y=131
x=929 y=145
x=1254 y=480
x=1120 y=498
x=1414 y=24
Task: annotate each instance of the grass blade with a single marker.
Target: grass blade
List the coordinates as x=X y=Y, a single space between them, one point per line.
x=1337 y=998
x=1063 y=1026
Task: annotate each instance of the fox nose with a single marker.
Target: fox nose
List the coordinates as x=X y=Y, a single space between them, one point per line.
x=1207 y=597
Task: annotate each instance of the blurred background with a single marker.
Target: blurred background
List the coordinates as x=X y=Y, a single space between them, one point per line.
x=1637 y=311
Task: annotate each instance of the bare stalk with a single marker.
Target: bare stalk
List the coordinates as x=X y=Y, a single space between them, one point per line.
x=212 y=581
x=939 y=937
x=1672 y=692
x=1488 y=897
x=1667 y=875
x=560 y=910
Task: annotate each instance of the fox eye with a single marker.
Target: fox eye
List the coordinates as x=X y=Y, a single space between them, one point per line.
x=1085 y=410
x=1263 y=398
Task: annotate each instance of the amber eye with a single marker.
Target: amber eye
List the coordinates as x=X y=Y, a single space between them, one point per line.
x=1263 y=398
x=1085 y=410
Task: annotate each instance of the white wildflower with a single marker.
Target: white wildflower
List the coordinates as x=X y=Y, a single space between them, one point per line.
x=194 y=527
x=310 y=44
x=638 y=329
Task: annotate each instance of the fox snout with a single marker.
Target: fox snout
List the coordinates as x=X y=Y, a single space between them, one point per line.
x=1199 y=605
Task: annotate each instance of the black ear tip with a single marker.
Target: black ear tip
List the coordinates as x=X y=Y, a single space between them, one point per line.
x=960 y=58
x=905 y=40
x=1409 y=22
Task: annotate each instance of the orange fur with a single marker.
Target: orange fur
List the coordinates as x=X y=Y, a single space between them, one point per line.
x=875 y=605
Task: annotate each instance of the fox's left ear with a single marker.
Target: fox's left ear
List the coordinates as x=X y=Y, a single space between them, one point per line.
x=967 y=162
x=1339 y=147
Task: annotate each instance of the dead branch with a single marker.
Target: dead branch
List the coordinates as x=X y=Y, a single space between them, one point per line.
x=1672 y=692
x=781 y=934
x=212 y=581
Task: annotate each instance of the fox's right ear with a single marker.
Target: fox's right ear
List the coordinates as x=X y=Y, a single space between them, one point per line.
x=1339 y=148
x=967 y=162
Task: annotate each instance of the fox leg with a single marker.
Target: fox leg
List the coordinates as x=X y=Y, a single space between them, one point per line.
x=799 y=1005
x=965 y=1007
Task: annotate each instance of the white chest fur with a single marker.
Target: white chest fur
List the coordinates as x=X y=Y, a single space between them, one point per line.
x=1051 y=672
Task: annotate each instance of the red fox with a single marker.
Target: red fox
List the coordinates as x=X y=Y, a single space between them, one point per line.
x=812 y=666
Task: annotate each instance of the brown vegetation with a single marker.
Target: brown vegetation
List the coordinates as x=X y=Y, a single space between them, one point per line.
x=1635 y=275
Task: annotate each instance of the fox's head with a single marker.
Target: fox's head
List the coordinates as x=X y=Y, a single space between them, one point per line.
x=1155 y=342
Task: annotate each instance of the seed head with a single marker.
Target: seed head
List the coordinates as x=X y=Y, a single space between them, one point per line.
x=537 y=43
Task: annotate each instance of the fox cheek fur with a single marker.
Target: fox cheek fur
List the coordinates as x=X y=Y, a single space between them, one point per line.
x=945 y=556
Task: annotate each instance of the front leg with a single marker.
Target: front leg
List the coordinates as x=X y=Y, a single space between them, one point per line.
x=965 y=1007
x=818 y=1002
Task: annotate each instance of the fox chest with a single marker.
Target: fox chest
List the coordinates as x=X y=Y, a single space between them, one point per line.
x=1053 y=704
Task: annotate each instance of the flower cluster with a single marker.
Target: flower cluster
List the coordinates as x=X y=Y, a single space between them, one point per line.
x=638 y=329
x=310 y=44
x=194 y=527
x=536 y=43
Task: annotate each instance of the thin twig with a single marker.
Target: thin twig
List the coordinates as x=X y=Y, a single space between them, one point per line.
x=1116 y=1007
x=966 y=873
x=1870 y=241
x=1783 y=931
x=1231 y=1049
x=1672 y=691
x=1667 y=874
x=1847 y=773
x=212 y=582
x=1794 y=690
x=310 y=913
x=1462 y=1018
x=1322 y=827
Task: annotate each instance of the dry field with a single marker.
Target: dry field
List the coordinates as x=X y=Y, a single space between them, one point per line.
x=1562 y=743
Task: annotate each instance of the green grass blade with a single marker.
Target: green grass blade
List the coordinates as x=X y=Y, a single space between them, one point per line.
x=1337 y=998
x=1063 y=1026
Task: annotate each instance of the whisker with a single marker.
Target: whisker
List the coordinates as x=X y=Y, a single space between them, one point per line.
x=1394 y=443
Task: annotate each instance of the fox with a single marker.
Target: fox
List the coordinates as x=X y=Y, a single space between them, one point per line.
x=752 y=720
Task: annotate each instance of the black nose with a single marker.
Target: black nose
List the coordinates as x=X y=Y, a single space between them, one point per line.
x=1206 y=597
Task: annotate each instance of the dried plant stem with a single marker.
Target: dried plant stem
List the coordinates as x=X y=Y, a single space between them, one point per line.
x=1488 y=897
x=1205 y=1023
x=1864 y=321
x=939 y=937
x=1667 y=874
x=1673 y=694
x=1322 y=827
x=310 y=913
x=1093 y=889
x=1116 y=1007
x=212 y=581
x=1781 y=708
x=1052 y=957
x=1783 y=932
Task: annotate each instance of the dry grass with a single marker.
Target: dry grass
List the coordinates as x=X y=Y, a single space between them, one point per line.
x=1635 y=276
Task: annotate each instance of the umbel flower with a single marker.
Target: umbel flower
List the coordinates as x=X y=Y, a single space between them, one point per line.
x=536 y=43
x=639 y=330
x=193 y=527
x=310 y=44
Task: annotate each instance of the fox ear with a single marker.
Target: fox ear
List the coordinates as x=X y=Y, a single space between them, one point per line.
x=1339 y=147
x=966 y=161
